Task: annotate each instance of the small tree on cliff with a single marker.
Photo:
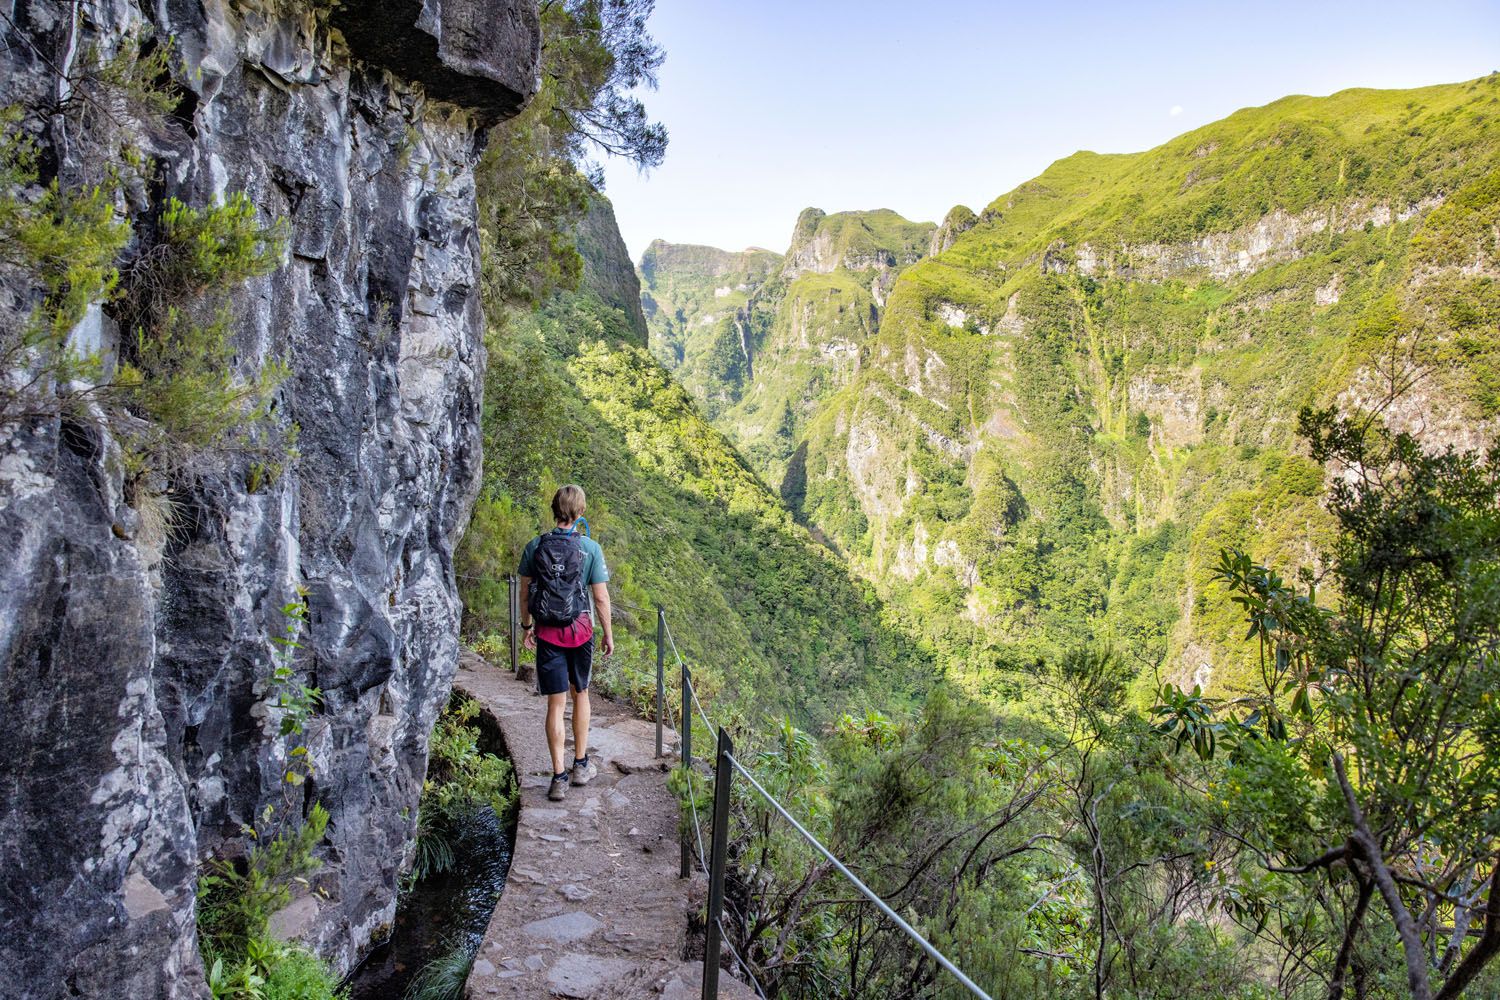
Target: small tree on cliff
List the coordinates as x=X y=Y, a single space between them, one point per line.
x=536 y=177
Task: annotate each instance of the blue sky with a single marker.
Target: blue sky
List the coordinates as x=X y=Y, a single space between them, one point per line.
x=775 y=105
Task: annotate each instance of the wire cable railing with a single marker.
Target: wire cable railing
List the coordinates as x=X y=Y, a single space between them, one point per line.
x=712 y=856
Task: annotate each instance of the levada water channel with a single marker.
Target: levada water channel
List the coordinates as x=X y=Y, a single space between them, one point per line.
x=441 y=919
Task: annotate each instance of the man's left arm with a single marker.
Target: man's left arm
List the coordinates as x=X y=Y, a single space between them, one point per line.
x=599 y=586
x=601 y=604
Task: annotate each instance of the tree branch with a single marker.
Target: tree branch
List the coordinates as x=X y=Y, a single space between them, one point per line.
x=1364 y=842
x=1489 y=943
x=1351 y=932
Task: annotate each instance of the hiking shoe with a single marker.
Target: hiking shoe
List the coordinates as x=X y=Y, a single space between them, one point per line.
x=585 y=772
x=558 y=789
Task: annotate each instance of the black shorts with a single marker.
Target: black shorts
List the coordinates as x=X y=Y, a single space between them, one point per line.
x=559 y=667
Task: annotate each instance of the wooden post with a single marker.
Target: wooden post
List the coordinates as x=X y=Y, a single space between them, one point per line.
x=717 y=858
x=661 y=689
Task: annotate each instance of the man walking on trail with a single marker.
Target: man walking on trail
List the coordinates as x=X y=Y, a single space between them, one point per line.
x=562 y=574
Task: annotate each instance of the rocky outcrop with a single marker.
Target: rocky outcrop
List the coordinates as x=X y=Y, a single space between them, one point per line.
x=856 y=241
x=959 y=220
x=136 y=644
x=1276 y=237
x=607 y=270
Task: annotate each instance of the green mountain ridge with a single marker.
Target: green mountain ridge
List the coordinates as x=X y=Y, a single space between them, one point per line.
x=770 y=621
x=1041 y=433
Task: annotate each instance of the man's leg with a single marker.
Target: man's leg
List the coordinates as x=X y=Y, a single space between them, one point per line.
x=581 y=713
x=557 y=731
x=579 y=663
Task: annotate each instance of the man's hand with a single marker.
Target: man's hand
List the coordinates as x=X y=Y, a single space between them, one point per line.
x=609 y=645
x=528 y=639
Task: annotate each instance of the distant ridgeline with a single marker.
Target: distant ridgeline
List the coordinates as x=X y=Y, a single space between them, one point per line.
x=1038 y=426
x=770 y=620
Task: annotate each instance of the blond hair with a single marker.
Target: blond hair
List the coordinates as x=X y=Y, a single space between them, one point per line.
x=568 y=503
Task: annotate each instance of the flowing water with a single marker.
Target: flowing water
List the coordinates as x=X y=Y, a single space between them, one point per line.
x=446 y=911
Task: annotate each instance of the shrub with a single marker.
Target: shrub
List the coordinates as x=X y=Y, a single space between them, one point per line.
x=235 y=905
x=461 y=781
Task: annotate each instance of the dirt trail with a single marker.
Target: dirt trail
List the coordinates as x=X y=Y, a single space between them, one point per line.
x=593 y=908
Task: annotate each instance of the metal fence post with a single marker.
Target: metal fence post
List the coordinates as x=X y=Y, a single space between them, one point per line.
x=711 y=951
x=685 y=756
x=513 y=589
x=661 y=664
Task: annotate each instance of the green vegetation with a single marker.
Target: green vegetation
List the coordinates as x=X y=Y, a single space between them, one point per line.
x=1332 y=835
x=464 y=787
x=235 y=905
x=597 y=55
x=461 y=781
x=698 y=303
x=1047 y=432
x=1362 y=777
x=1036 y=729
x=773 y=619
x=1055 y=430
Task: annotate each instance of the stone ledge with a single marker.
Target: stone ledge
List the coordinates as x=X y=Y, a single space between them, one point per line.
x=480 y=54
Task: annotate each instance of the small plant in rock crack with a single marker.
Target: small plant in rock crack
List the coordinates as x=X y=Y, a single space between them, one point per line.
x=242 y=959
x=297 y=702
x=236 y=899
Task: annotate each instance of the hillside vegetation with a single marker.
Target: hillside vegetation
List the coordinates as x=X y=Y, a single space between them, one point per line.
x=1060 y=457
x=1045 y=433
x=771 y=622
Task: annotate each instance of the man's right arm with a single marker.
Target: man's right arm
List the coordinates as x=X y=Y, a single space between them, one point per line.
x=528 y=638
x=523 y=572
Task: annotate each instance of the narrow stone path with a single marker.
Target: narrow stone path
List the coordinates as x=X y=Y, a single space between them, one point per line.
x=593 y=908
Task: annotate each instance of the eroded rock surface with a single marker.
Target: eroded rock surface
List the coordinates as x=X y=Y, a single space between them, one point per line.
x=134 y=665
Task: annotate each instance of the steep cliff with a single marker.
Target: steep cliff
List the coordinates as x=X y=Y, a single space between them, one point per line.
x=608 y=274
x=1093 y=386
x=786 y=331
x=136 y=649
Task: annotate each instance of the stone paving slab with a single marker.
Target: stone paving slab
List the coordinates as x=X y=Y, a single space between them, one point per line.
x=593 y=908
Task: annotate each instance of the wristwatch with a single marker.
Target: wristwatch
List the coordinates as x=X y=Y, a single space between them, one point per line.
x=528 y=626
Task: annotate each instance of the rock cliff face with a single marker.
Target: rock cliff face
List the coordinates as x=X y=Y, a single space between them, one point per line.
x=134 y=664
x=607 y=270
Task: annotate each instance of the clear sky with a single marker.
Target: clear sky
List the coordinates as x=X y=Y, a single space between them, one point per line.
x=775 y=105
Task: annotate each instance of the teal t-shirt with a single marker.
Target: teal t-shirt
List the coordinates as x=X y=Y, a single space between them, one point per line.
x=594 y=569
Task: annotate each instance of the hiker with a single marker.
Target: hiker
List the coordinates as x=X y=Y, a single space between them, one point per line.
x=560 y=571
